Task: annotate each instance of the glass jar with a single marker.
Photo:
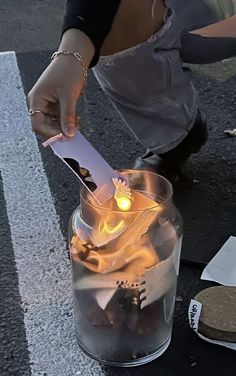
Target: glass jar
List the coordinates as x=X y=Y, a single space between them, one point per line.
x=124 y=269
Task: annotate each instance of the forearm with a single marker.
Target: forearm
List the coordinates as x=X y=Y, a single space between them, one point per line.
x=197 y=49
x=75 y=40
x=210 y=44
x=93 y=17
x=222 y=29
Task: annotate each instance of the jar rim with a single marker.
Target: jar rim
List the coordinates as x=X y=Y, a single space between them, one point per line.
x=126 y=172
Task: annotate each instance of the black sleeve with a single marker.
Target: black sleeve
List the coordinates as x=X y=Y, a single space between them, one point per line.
x=197 y=49
x=93 y=17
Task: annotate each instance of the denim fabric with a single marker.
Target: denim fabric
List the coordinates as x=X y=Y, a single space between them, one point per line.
x=148 y=85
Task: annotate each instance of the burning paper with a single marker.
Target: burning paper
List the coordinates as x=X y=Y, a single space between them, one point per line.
x=120 y=254
x=117 y=245
x=115 y=235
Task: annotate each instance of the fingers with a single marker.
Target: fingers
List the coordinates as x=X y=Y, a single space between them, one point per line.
x=67 y=117
x=53 y=111
x=41 y=122
x=43 y=125
x=49 y=126
x=47 y=122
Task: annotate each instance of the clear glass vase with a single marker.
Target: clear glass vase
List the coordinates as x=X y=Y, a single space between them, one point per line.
x=124 y=268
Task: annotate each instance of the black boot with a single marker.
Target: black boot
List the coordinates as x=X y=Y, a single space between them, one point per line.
x=169 y=164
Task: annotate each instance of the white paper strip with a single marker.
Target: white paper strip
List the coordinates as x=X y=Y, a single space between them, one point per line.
x=87 y=164
x=194 y=312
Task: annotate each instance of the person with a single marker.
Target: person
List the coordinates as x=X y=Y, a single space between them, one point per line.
x=137 y=50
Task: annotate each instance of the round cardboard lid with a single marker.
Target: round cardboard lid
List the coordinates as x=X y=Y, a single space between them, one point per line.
x=218 y=314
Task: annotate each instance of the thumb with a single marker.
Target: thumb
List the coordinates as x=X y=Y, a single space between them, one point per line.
x=67 y=117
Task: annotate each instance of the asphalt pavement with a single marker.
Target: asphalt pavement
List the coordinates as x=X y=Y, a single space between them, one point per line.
x=37 y=338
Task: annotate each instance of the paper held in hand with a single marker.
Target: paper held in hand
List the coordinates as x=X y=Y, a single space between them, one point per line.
x=87 y=164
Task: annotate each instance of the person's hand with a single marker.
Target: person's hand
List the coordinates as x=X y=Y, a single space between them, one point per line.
x=55 y=94
x=57 y=91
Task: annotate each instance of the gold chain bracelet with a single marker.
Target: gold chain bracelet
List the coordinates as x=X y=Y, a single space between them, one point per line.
x=79 y=58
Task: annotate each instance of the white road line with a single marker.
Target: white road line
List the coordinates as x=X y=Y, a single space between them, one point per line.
x=44 y=277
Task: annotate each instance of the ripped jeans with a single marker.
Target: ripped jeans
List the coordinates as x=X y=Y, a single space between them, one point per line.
x=148 y=85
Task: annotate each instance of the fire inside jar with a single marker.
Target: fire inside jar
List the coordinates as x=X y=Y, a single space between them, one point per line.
x=125 y=259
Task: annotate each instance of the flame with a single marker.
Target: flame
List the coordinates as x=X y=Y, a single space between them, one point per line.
x=119 y=239
x=108 y=229
x=124 y=203
x=135 y=258
x=122 y=194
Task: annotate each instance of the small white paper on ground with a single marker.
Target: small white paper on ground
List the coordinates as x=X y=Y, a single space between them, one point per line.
x=222 y=268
